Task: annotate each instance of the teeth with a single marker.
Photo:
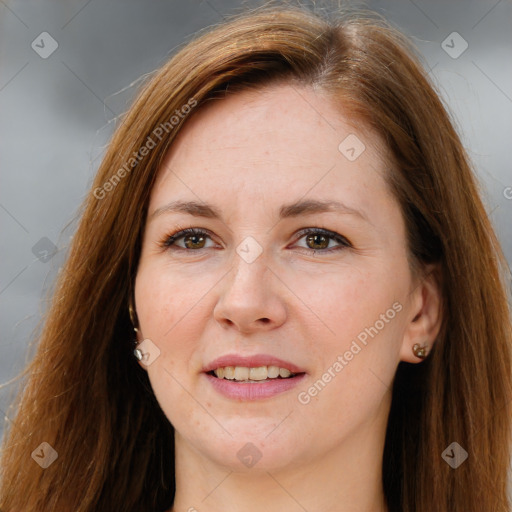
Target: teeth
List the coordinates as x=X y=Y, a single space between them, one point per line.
x=242 y=373
x=283 y=372
x=273 y=372
x=229 y=372
x=259 y=373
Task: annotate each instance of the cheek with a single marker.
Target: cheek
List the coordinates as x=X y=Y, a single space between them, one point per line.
x=342 y=304
x=166 y=300
x=358 y=339
x=167 y=313
x=165 y=308
x=351 y=387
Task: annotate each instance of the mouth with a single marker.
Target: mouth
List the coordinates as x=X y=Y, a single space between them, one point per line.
x=252 y=378
x=253 y=375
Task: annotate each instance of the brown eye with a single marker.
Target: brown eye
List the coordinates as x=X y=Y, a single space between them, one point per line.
x=318 y=240
x=193 y=239
x=196 y=241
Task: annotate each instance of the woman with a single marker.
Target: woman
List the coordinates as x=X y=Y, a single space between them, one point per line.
x=287 y=230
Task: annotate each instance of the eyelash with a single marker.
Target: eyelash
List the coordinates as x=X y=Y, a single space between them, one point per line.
x=169 y=241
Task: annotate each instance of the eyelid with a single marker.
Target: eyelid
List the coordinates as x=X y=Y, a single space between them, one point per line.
x=179 y=233
x=324 y=231
x=168 y=241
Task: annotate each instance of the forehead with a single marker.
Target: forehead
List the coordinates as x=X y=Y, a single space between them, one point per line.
x=281 y=140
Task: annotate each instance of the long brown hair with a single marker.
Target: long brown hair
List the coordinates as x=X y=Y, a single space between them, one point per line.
x=86 y=396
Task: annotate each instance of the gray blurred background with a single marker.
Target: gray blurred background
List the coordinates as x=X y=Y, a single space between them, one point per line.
x=67 y=71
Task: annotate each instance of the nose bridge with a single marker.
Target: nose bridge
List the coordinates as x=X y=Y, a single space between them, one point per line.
x=248 y=298
x=250 y=264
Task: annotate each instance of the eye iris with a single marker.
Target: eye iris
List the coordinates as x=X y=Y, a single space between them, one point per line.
x=315 y=237
x=193 y=240
x=195 y=237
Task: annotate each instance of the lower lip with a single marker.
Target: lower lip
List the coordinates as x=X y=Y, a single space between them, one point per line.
x=251 y=390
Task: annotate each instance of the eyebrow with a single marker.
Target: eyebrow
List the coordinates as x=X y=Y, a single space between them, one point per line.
x=305 y=207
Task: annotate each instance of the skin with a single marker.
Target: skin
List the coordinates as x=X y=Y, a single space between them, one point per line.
x=248 y=155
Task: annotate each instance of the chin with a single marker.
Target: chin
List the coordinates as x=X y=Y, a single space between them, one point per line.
x=248 y=452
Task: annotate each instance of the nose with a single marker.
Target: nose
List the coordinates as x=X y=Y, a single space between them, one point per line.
x=251 y=297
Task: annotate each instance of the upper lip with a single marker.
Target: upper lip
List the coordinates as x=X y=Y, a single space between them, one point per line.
x=251 y=362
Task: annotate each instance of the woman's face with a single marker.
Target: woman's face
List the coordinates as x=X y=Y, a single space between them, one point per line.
x=274 y=281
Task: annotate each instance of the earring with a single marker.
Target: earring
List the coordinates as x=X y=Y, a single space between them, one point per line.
x=138 y=354
x=420 y=351
x=132 y=317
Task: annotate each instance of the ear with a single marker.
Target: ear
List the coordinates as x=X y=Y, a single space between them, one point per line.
x=139 y=338
x=425 y=315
